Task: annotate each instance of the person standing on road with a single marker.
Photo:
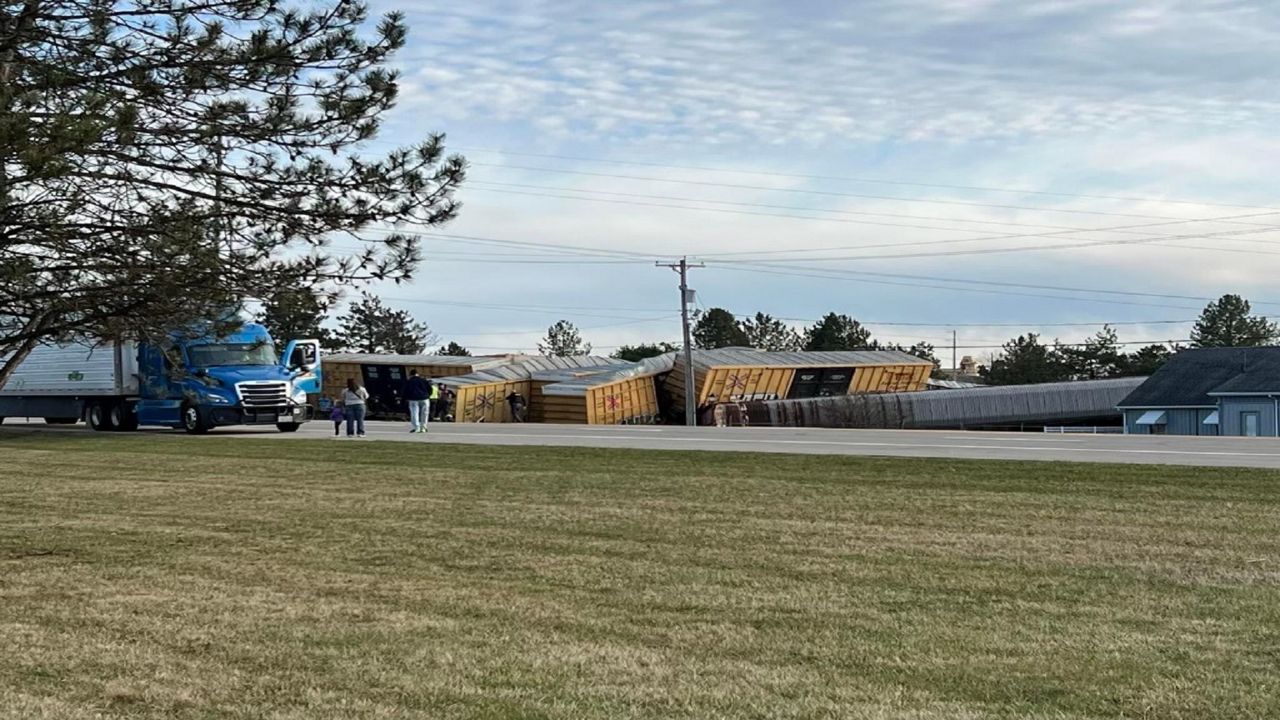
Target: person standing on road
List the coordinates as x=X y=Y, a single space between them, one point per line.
x=515 y=401
x=418 y=391
x=443 y=405
x=337 y=416
x=354 y=399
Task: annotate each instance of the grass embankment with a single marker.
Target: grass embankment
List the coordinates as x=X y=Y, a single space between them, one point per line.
x=178 y=578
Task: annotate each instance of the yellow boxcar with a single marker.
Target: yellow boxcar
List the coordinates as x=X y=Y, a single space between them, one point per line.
x=337 y=368
x=743 y=373
x=487 y=402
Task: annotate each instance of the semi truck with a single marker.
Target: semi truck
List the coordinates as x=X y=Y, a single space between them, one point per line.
x=190 y=382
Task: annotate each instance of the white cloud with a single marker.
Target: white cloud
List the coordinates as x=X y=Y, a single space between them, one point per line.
x=1154 y=99
x=948 y=69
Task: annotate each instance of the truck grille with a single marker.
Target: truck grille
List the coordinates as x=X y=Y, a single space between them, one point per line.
x=263 y=394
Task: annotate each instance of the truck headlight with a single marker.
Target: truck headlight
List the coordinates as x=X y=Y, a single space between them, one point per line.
x=299 y=396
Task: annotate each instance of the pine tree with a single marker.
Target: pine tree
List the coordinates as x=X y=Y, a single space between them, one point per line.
x=369 y=326
x=163 y=161
x=1146 y=360
x=1026 y=360
x=454 y=349
x=1098 y=357
x=296 y=314
x=563 y=340
x=766 y=333
x=925 y=351
x=636 y=353
x=838 y=332
x=717 y=328
x=1226 y=322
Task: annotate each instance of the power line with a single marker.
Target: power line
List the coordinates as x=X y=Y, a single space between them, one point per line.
x=1081 y=344
x=828 y=193
x=1108 y=301
x=876 y=181
x=1027 y=248
x=685 y=198
x=1025 y=324
x=1149 y=238
x=849 y=275
x=513 y=306
x=998 y=283
x=539 y=331
x=1067 y=229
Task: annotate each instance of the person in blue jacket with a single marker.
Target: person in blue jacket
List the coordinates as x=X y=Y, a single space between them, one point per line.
x=417 y=390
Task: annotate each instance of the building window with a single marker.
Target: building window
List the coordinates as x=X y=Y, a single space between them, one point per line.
x=1157 y=429
x=1250 y=423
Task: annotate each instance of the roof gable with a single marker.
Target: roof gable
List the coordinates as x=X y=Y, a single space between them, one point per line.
x=1191 y=377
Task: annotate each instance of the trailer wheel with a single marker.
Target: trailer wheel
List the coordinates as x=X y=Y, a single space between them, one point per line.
x=123 y=417
x=100 y=416
x=194 y=421
x=288 y=427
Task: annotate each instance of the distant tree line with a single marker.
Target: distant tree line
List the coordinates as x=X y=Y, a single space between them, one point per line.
x=369 y=326
x=1225 y=322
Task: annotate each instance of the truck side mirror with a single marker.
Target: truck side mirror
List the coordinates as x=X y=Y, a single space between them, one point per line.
x=201 y=373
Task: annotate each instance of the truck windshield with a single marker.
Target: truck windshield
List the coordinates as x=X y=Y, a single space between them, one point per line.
x=213 y=354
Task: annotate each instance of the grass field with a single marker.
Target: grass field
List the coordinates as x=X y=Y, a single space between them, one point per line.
x=164 y=577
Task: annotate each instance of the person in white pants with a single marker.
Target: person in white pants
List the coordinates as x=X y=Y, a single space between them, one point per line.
x=417 y=392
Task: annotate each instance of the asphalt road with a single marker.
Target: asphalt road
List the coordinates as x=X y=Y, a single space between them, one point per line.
x=1153 y=450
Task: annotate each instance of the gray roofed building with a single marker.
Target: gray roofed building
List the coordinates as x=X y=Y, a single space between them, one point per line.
x=1209 y=391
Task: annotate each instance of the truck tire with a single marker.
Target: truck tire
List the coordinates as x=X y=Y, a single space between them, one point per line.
x=123 y=417
x=99 y=416
x=194 y=421
x=288 y=427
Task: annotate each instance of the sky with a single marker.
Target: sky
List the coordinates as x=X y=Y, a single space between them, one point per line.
x=925 y=166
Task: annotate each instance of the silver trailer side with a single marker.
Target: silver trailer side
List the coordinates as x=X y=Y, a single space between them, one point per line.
x=54 y=381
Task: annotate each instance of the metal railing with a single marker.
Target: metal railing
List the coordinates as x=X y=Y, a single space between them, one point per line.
x=1085 y=430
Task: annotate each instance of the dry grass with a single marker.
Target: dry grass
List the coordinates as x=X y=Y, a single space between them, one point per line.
x=159 y=577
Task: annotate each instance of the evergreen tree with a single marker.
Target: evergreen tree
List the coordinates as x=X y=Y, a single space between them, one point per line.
x=296 y=314
x=717 y=328
x=371 y=327
x=1226 y=322
x=454 y=349
x=162 y=161
x=1146 y=360
x=766 y=333
x=563 y=340
x=838 y=332
x=1026 y=360
x=1098 y=357
x=636 y=353
x=925 y=351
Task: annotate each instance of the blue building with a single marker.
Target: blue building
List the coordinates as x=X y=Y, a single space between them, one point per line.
x=1212 y=391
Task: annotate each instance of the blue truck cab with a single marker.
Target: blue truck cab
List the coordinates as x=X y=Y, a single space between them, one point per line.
x=238 y=379
x=191 y=381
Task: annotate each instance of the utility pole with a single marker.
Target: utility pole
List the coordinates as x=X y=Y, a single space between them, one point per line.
x=955 y=363
x=686 y=295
